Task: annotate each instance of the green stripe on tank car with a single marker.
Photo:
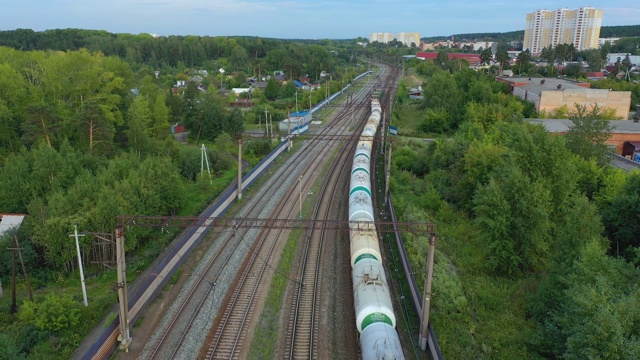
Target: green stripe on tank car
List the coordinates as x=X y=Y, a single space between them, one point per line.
x=360 y=169
x=376 y=318
x=365 y=256
x=360 y=188
x=363 y=154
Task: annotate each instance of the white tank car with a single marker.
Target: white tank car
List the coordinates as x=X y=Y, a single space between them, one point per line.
x=380 y=341
x=364 y=245
x=360 y=203
x=360 y=206
x=371 y=294
x=375 y=105
x=375 y=318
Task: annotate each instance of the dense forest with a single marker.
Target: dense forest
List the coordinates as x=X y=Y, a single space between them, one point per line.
x=537 y=249
x=247 y=54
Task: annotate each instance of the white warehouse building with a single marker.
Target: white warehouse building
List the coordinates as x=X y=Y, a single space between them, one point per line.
x=612 y=58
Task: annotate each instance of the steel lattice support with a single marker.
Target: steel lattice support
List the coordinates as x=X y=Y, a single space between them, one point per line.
x=306 y=136
x=185 y=221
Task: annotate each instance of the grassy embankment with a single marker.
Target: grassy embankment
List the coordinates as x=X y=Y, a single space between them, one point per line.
x=474 y=314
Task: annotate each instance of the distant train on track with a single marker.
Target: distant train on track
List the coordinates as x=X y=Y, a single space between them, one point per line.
x=375 y=319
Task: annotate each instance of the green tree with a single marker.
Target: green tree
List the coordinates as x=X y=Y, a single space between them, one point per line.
x=621 y=217
x=441 y=93
x=160 y=119
x=41 y=123
x=435 y=121
x=96 y=129
x=512 y=213
x=589 y=133
x=523 y=61
x=442 y=59
x=272 y=91
x=502 y=57
x=16 y=179
x=138 y=126
x=239 y=57
x=548 y=54
x=190 y=103
x=212 y=118
x=486 y=56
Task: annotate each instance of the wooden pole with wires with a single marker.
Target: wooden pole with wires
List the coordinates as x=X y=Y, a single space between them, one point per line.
x=24 y=269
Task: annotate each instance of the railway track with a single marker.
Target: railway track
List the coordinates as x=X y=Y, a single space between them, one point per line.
x=172 y=341
x=303 y=324
x=199 y=293
x=230 y=334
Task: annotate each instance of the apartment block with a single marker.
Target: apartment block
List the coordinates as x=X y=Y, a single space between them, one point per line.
x=409 y=37
x=579 y=27
x=381 y=37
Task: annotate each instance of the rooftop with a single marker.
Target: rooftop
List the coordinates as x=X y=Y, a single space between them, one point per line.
x=9 y=221
x=563 y=125
x=537 y=85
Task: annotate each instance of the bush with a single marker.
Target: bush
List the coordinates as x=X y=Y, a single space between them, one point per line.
x=55 y=313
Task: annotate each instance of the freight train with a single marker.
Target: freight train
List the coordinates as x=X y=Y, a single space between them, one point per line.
x=375 y=319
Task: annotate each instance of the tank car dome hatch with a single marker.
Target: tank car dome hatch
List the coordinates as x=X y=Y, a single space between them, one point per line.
x=371 y=294
x=380 y=341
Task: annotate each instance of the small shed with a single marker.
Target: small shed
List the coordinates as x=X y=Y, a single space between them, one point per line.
x=295 y=119
x=629 y=148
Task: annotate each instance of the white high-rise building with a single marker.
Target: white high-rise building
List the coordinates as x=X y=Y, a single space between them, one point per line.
x=579 y=27
x=381 y=37
x=409 y=37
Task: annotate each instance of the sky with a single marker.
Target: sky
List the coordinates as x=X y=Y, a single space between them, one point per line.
x=293 y=19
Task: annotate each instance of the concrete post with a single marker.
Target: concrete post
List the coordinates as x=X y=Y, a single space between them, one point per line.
x=426 y=304
x=239 y=166
x=124 y=337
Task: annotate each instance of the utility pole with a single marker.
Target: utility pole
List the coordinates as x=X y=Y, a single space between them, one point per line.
x=388 y=171
x=14 y=304
x=266 y=119
x=24 y=269
x=289 y=131
x=426 y=304
x=84 y=287
x=124 y=336
x=205 y=158
x=296 y=101
x=352 y=114
x=384 y=131
x=239 y=166
x=17 y=248
x=300 y=193
x=271 y=122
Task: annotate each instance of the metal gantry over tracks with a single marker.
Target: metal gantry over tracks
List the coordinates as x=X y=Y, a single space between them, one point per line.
x=125 y=221
x=185 y=221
